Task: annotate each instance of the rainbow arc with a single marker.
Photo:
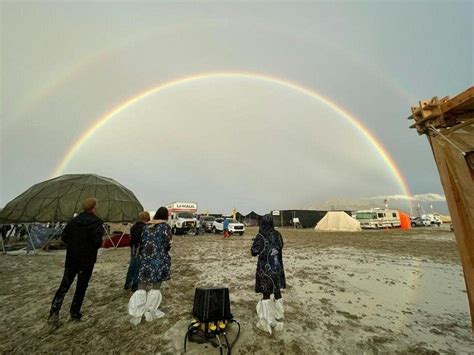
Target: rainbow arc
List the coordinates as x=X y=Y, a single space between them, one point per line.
x=356 y=123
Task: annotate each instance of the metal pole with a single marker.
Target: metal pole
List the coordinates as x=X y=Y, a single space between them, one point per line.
x=108 y=235
x=126 y=229
x=3 y=246
x=31 y=240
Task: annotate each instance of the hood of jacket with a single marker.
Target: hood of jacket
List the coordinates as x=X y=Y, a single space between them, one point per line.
x=87 y=219
x=266 y=225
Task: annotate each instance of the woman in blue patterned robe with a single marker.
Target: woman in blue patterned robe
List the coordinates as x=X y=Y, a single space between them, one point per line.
x=155 y=262
x=155 y=267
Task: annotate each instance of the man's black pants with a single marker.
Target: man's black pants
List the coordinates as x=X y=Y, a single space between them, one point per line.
x=83 y=273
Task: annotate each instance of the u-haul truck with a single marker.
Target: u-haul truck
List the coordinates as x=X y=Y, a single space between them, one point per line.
x=182 y=216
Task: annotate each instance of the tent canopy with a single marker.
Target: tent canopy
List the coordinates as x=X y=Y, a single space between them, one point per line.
x=253 y=215
x=58 y=199
x=338 y=221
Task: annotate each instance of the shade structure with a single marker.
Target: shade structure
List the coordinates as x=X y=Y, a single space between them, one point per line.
x=58 y=199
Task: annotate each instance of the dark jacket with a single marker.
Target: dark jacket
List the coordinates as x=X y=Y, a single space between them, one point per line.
x=83 y=237
x=268 y=246
x=136 y=233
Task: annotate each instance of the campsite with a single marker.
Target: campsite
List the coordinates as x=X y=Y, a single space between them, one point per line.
x=251 y=177
x=369 y=291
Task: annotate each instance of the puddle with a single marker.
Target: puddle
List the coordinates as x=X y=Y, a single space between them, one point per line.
x=414 y=299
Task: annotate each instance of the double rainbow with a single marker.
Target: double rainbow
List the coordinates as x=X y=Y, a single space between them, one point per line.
x=104 y=119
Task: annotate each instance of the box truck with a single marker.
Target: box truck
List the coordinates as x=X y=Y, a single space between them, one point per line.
x=182 y=216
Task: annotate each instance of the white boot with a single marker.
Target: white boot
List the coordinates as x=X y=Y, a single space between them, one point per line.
x=136 y=306
x=153 y=300
x=279 y=309
x=277 y=312
x=264 y=315
x=280 y=314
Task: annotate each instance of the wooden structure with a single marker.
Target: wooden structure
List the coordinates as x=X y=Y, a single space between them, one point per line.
x=449 y=127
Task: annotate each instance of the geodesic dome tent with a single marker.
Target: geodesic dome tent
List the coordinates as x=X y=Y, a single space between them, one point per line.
x=58 y=199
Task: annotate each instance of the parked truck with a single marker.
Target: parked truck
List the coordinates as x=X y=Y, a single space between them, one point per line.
x=378 y=218
x=434 y=219
x=182 y=217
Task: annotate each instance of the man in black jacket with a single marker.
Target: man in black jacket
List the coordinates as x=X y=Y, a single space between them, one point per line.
x=83 y=237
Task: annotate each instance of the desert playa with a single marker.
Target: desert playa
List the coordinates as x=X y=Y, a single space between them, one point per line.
x=367 y=292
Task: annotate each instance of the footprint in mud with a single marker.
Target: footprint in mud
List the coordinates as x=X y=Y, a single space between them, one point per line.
x=297 y=347
x=380 y=339
x=419 y=349
x=334 y=328
x=348 y=315
x=49 y=329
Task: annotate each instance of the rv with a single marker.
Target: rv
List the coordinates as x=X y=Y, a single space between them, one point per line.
x=377 y=218
x=182 y=216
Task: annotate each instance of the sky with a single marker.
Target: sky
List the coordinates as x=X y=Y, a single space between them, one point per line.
x=271 y=138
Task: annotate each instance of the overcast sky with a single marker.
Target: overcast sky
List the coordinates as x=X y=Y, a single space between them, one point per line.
x=228 y=142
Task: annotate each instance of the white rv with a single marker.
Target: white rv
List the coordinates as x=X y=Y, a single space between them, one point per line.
x=182 y=216
x=378 y=218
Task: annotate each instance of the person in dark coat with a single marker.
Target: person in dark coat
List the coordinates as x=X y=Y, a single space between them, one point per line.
x=270 y=275
x=83 y=237
x=131 y=282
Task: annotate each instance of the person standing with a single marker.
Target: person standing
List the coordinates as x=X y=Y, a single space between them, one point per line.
x=270 y=275
x=131 y=281
x=83 y=237
x=155 y=267
x=225 y=226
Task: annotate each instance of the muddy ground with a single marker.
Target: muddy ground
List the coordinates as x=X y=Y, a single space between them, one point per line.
x=367 y=292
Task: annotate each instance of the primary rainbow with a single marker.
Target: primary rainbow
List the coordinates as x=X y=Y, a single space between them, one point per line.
x=101 y=121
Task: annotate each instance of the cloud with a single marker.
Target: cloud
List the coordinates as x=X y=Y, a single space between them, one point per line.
x=391 y=197
x=394 y=201
x=429 y=197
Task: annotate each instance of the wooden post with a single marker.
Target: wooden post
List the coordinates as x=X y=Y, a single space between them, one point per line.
x=449 y=126
x=462 y=217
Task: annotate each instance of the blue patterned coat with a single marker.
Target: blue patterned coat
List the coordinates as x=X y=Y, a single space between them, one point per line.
x=155 y=261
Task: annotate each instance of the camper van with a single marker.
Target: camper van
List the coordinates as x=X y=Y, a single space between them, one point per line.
x=182 y=216
x=378 y=218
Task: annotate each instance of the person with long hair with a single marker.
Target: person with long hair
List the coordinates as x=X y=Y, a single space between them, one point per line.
x=270 y=275
x=155 y=267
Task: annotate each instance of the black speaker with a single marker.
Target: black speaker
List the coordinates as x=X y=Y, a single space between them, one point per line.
x=211 y=304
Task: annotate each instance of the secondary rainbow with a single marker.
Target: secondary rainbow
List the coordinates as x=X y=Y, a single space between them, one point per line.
x=102 y=120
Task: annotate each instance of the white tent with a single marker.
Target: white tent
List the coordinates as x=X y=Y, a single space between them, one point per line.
x=338 y=221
